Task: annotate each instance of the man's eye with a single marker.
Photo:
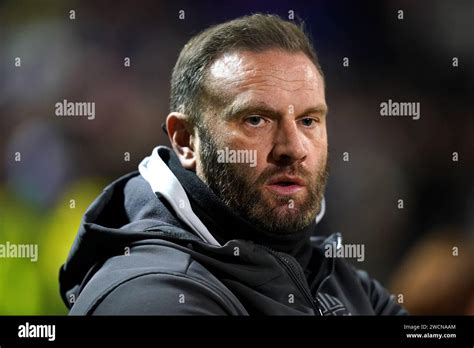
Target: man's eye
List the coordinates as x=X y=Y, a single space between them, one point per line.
x=307 y=121
x=255 y=120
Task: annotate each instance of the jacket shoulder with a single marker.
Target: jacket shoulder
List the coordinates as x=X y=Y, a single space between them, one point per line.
x=383 y=303
x=155 y=279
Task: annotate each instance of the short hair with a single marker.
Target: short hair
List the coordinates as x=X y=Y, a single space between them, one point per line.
x=255 y=33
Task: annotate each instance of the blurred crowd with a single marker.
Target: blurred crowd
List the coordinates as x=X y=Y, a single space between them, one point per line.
x=66 y=161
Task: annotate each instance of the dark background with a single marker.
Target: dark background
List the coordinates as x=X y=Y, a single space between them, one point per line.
x=66 y=161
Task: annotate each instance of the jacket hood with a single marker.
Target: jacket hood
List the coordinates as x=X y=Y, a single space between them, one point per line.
x=164 y=202
x=163 y=182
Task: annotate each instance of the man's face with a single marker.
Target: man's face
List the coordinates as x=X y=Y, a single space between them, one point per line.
x=272 y=105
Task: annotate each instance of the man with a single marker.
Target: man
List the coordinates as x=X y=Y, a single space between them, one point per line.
x=224 y=222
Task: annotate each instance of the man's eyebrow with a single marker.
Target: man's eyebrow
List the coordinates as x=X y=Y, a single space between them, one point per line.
x=239 y=109
x=318 y=109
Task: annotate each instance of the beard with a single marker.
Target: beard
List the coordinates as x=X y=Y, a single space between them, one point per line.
x=234 y=184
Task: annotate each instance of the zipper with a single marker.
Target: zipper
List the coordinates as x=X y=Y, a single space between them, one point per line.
x=295 y=275
x=333 y=265
x=324 y=280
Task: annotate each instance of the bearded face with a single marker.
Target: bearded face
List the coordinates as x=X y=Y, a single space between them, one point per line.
x=271 y=103
x=281 y=198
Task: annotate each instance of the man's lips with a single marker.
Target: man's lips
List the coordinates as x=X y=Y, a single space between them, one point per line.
x=285 y=184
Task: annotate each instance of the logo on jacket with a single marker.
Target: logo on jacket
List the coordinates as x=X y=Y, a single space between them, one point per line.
x=331 y=305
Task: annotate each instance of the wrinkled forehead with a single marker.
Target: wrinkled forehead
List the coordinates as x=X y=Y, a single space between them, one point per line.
x=273 y=75
x=238 y=70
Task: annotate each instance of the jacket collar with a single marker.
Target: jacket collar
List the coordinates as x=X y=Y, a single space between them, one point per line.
x=207 y=216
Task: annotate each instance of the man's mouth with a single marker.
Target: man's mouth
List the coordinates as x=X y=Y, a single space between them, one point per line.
x=285 y=185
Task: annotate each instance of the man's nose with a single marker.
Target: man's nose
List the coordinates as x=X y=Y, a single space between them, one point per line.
x=289 y=145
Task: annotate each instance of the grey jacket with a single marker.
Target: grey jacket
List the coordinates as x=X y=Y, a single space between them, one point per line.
x=142 y=250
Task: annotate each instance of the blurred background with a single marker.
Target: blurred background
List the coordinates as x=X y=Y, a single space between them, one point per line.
x=66 y=161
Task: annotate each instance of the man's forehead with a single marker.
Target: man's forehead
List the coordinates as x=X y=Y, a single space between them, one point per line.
x=243 y=70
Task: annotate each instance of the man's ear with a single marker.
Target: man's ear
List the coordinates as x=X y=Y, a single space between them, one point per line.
x=182 y=139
